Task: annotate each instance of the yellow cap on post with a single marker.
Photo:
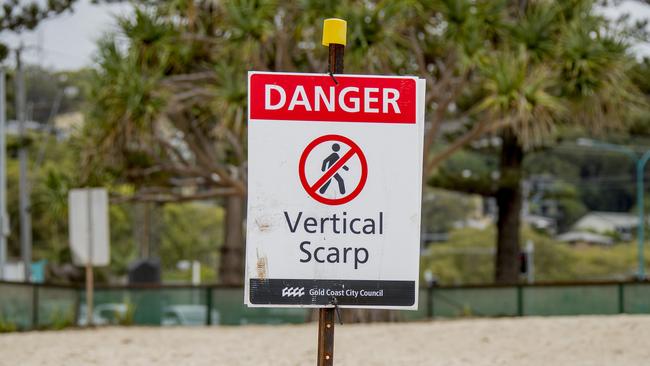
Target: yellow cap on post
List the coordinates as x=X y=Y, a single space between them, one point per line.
x=334 y=31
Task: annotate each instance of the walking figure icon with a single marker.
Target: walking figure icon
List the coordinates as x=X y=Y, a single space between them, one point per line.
x=327 y=163
x=331 y=158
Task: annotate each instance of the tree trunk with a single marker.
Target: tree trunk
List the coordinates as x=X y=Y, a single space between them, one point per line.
x=509 y=201
x=231 y=262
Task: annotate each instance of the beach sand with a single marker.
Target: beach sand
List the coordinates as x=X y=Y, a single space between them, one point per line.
x=573 y=341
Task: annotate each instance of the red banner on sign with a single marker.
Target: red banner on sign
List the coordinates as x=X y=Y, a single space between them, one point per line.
x=295 y=97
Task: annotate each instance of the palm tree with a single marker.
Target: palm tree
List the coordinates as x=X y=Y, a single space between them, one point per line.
x=525 y=68
x=557 y=64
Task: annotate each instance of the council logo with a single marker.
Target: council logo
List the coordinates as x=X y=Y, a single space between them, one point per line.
x=293 y=291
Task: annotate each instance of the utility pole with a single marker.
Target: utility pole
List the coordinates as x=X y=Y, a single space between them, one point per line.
x=23 y=185
x=4 y=218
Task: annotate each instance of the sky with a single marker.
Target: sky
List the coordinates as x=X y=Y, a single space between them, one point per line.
x=68 y=41
x=636 y=11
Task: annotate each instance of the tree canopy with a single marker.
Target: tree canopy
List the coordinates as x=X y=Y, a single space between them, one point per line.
x=169 y=96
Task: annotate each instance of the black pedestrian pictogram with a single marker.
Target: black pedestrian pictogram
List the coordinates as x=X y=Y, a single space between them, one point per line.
x=333 y=167
x=327 y=163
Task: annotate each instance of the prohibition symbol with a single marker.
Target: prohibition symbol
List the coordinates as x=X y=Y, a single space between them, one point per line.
x=332 y=168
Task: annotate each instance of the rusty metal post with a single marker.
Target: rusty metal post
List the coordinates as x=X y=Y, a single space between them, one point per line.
x=326 y=337
x=334 y=34
x=337 y=51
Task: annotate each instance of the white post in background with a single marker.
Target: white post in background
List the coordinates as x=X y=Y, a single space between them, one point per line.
x=4 y=217
x=196 y=280
x=89 y=235
x=196 y=273
x=530 y=263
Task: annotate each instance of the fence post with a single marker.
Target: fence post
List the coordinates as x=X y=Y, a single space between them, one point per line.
x=520 y=300
x=430 y=302
x=621 y=298
x=77 y=305
x=208 y=300
x=35 y=306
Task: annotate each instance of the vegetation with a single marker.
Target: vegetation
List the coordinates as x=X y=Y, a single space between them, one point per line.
x=127 y=317
x=7 y=326
x=176 y=101
x=184 y=230
x=541 y=65
x=17 y=16
x=165 y=114
x=468 y=258
x=61 y=319
x=441 y=210
x=583 y=179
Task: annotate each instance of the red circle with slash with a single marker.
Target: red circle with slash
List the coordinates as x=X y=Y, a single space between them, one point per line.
x=312 y=189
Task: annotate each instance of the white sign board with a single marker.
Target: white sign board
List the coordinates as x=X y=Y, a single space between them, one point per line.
x=88 y=226
x=334 y=190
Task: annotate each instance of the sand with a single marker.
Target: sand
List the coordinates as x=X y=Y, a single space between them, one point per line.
x=574 y=341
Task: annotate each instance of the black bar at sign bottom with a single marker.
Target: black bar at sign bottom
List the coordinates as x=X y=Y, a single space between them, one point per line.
x=322 y=292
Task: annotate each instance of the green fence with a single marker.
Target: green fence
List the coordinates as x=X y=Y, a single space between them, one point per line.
x=541 y=300
x=28 y=306
x=173 y=305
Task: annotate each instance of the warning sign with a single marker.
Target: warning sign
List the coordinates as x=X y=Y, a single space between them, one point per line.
x=334 y=167
x=334 y=190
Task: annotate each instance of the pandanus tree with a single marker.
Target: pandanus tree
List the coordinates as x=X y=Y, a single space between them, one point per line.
x=167 y=114
x=580 y=69
x=545 y=65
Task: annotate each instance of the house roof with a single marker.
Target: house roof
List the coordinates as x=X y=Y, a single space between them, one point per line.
x=606 y=221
